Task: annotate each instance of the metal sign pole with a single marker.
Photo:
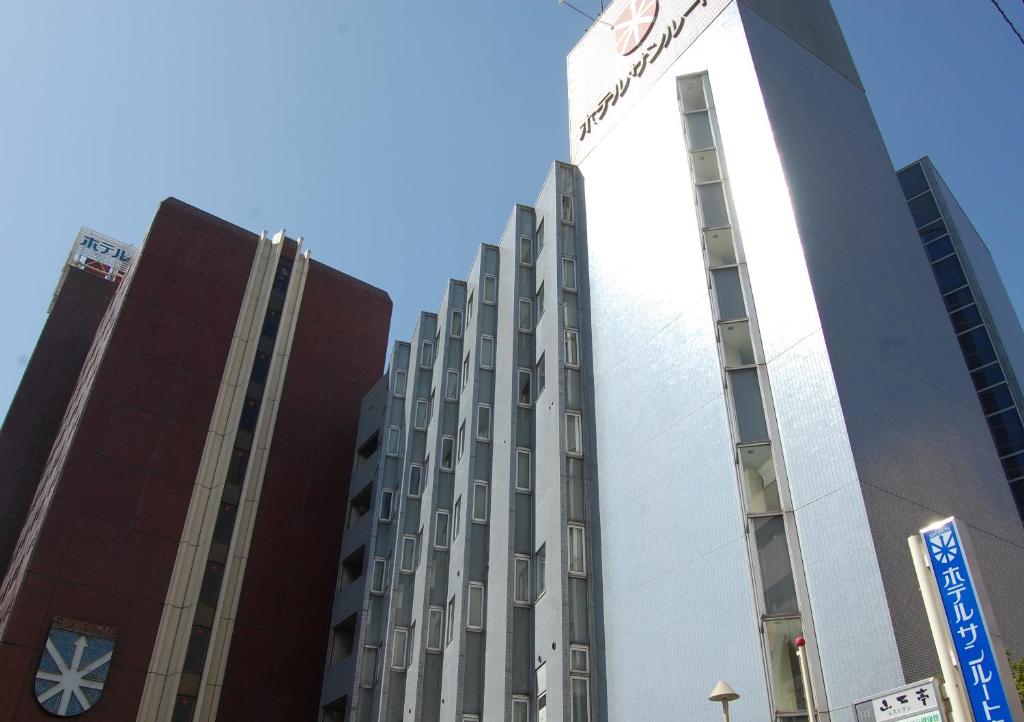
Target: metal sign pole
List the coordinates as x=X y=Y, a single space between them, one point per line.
x=952 y=681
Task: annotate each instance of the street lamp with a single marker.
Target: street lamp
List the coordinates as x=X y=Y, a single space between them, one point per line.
x=725 y=694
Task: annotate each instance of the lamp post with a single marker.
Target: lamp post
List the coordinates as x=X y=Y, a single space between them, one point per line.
x=725 y=694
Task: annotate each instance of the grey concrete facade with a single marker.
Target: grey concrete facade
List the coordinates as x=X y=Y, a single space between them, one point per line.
x=752 y=396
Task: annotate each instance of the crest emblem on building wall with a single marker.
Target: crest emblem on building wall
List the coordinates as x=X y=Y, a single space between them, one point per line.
x=633 y=24
x=74 y=667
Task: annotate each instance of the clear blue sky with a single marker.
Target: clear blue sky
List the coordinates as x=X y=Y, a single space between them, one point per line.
x=396 y=135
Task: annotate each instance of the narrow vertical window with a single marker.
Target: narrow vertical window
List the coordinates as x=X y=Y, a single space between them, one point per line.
x=749 y=408
x=435 y=629
x=566 y=208
x=490 y=289
x=368 y=675
x=456 y=325
x=462 y=438
x=450 y=622
x=394 y=440
x=401 y=378
x=457 y=519
x=572 y=348
x=569 y=274
x=577 y=554
x=521 y=580
x=421 y=413
x=579 y=659
x=387 y=497
x=520 y=709
x=427 y=354
x=483 y=422
x=475 y=618
x=525 y=392
x=573 y=433
x=408 y=558
x=480 y=502
x=378 y=575
x=441 y=529
x=539 y=301
x=487 y=352
x=447 y=453
x=469 y=308
x=399 y=648
x=539 y=370
x=540 y=237
x=580 y=688
x=524 y=473
x=526 y=251
x=451 y=385
x=415 y=481
x=525 y=315
x=541 y=558
x=465 y=371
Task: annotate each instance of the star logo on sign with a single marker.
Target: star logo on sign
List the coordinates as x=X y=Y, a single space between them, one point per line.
x=943 y=546
x=633 y=24
x=72 y=672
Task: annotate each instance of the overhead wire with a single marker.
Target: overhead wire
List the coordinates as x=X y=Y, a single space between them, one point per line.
x=1008 y=21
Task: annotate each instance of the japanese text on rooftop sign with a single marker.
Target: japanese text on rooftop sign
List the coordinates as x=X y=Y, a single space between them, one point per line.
x=974 y=651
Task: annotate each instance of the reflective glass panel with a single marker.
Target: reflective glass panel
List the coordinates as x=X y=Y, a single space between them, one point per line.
x=737 y=346
x=713 y=212
x=776 y=572
x=746 y=395
x=759 y=480
x=698 y=130
x=923 y=209
x=786 y=677
x=729 y=294
x=720 y=248
x=705 y=166
x=913 y=181
x=939 y=248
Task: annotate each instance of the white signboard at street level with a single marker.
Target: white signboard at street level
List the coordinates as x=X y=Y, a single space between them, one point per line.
x=918 y=702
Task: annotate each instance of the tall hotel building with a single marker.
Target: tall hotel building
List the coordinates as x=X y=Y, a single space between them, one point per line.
x=172 y=558
x=688 y=409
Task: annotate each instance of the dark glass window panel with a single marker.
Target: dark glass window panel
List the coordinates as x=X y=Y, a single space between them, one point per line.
x=958 y=299
x=966 y=318
x=932 y=231
x=949 y=274
x=987 y=376
x=183 y=709
x=1018 y=496
x=250 y=412
x=746 y=395
x=236 y=469
x=225 y=524
x=923 y=209
x=210 y=588
x=913 y=181
x=776 y=572
x=713 y=207
x=1014 y=466
x=270 y=323
x=729 y=293
x=195 y=655
x=260 y=367
x=1007 y=432
x=282 y=274
x=939 y=248
x=995 y=399
x=977 y=348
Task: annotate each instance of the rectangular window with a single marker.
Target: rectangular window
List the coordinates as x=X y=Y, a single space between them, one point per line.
x=422 y=411
x=572 y=348
x=524 y=476
x=465 y=371
x=737 y=344
x=728 y=294
x=475 y=618
x=441 y=529
x=525 y=315
x=368 y=675
x=569 y=274
x=525 y=251
x=462 y=438
x=573 y=433
x=746 y=397
x=577 y=554
x=579 y=659
x=435 y=629
x=408 y=558
x=566 y=209
x=487 y=352
x=451 y=385
x=759 y=479
x=378 y=575
x=447 y=453
x=698 y=130
x=490 y=289
x=456 y=326
x=387 y=498
x=539 y=234
x=580 y=687
x=400 y=648
x=525 y=393
x=483 y=422
x=401 y=378
x=541 y=558
x=786 y=677
x=713 y=208
x=520 y=709
x=719 y=247
x=394 y=441
x=430 y=406
x=415 y=481
x=539 y=301
x=450 y=622
x=427 y=354
x=521 y=580
x=469 y=307
x=776 y=572
x=457 y=519
x=480 y=502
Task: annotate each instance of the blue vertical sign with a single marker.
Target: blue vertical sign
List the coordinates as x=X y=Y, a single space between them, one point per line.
x=974 y=651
